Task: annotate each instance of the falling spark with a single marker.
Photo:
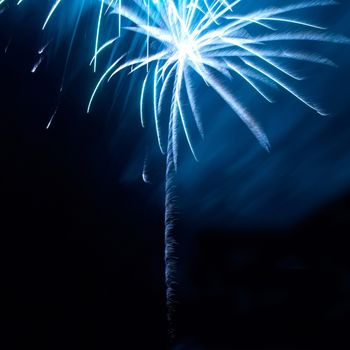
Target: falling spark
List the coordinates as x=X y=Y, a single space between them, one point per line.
x=8 y=46
x=42 y=49
x=51 y=119
x=37 y=64
x=145 y=170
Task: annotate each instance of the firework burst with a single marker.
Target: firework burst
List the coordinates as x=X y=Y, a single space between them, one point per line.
x=213 y=41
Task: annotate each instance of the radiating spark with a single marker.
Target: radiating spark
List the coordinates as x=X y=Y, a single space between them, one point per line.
x=53 y=9
x=99 y=50
x=98 y=34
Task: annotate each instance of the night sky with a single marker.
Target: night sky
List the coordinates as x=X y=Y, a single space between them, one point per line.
x=262 y=238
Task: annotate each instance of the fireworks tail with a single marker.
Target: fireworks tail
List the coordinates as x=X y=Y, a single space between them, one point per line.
x=170 y=225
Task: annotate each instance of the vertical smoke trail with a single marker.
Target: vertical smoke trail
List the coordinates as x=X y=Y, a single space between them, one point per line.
x=170 y=226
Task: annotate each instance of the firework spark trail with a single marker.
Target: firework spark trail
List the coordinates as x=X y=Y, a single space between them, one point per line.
x=212 y=41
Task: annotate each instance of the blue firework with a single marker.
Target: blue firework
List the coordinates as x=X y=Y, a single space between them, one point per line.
x=211 y=41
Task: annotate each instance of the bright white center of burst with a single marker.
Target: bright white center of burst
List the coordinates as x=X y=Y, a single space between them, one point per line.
x=186 y=50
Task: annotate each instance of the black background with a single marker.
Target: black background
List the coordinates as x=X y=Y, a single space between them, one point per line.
x=81 y=258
